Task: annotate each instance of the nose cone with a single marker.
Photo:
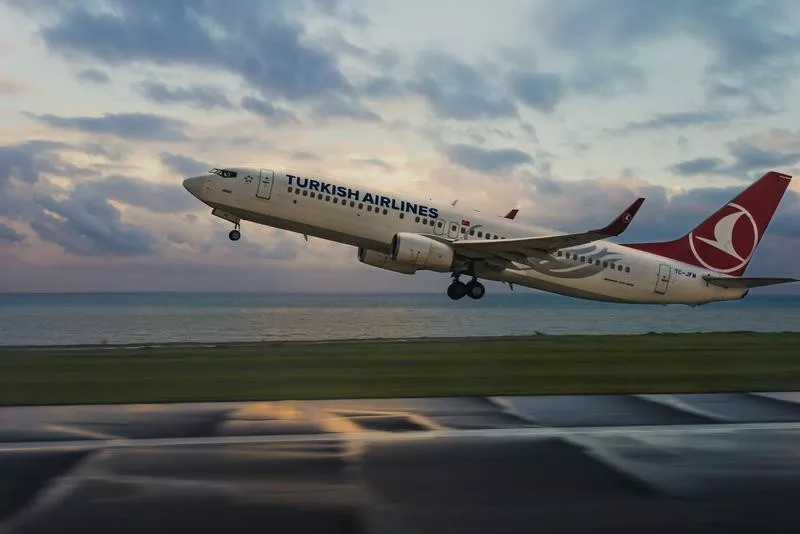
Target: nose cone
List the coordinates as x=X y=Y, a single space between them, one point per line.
x=194 y=185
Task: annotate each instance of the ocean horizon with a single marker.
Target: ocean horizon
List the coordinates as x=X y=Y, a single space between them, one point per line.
x=204 y=317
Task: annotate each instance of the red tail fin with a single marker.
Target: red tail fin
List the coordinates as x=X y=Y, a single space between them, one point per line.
x=726 y=241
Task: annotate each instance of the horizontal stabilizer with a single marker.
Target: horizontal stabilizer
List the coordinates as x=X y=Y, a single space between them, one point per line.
x=746 y=283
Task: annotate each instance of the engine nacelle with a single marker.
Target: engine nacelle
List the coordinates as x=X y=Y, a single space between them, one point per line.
x=383 y=261
x=422 y=252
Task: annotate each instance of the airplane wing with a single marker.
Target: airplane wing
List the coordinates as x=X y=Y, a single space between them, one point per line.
x=531 y=246
x=746 y=283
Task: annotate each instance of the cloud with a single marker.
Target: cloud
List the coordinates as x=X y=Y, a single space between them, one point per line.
x=607 y=77
x=674 y=120
x=486 y=160
x=127 y=125
x=455 y=90
x=28 y=160
x=304 y=155
x=254 y=41
x=373 y=162
x=340 y=108
x=85 y=223
x=160 y=198
x=268 y=111
x=95 y=76
x=12 y=86
x=542 y=92
x=196 y=96
x=697 y=166
x=9 y=235
x=746 y=38
x=183 y=165
x=775 y=149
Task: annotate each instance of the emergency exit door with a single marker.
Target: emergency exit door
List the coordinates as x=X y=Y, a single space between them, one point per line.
x=265 y=184
x=664 y=273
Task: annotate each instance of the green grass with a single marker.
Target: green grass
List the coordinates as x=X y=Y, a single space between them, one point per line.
x=478 y=366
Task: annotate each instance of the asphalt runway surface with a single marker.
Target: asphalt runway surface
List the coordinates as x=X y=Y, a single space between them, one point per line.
x=648 y=463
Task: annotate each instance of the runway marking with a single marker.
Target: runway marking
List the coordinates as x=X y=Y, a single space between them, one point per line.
x=718 y=428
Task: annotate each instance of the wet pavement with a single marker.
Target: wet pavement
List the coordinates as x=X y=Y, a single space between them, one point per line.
x=646 y=463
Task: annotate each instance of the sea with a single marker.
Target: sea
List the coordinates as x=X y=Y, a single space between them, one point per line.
x=152 y=318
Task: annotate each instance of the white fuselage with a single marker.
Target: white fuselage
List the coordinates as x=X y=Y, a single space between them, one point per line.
x=343 y=212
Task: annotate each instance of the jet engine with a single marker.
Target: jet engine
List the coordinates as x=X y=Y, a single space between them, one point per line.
x=383 y=261
x=422 y=252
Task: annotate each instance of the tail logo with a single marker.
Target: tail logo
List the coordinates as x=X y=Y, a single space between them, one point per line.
x=734 y=241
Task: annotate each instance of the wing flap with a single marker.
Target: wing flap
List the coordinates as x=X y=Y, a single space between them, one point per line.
x=531 y=246
x=746 y=283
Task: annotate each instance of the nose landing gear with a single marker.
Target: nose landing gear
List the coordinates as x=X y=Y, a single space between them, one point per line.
x=458 y=289
x=235 y=234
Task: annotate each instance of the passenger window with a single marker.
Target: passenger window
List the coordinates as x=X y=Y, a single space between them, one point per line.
x=369 y=207
x=416 y=219
x=472 y=232
x=558 y=253
x=463 y=230
x=335 y=200
x=440 y=224
x=424 y=221
x=305 y=192
x=613 y=266
x=627 y=269
x=327 y=198
x=619 y=267
x=431 y=223
x=313 y=195
x=385 y=211
x=605 y=264
x=583 y=259
x=402 y=215
x=597 y=262
x=296 y=191
x=290 y=189
x=360 y=206
x=352 y=203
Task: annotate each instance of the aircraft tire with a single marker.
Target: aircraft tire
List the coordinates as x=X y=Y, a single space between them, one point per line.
x=234 y=235
x=456 y=290
x=475 y=290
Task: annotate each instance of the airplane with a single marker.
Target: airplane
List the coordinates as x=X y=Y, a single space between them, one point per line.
x=405 y=235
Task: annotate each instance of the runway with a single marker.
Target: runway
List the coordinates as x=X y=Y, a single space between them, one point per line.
x=627 y=463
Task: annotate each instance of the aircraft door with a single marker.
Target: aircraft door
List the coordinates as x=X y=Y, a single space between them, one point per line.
x=265 y=184
x=662 y=283
x=439 y=228
x=452 y=229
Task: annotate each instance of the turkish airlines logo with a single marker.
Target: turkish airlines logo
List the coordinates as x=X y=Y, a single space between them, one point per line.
x=733 y=243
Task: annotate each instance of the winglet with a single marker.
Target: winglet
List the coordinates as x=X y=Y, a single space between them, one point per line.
x=621 y=223
x=511 y=214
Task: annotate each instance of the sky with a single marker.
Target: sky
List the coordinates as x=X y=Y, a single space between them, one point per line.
x=565 y=109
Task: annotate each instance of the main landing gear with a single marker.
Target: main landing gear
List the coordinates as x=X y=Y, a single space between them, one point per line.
x=235 y=234
x=458 y=289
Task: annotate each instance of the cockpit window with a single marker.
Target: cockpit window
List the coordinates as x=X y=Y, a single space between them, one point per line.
x=223 y=172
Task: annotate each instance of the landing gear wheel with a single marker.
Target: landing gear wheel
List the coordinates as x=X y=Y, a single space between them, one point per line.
x=475 y=290
x=235 y=235
x=456 y=290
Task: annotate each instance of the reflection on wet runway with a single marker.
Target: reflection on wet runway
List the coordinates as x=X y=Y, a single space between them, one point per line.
x=649 y=463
